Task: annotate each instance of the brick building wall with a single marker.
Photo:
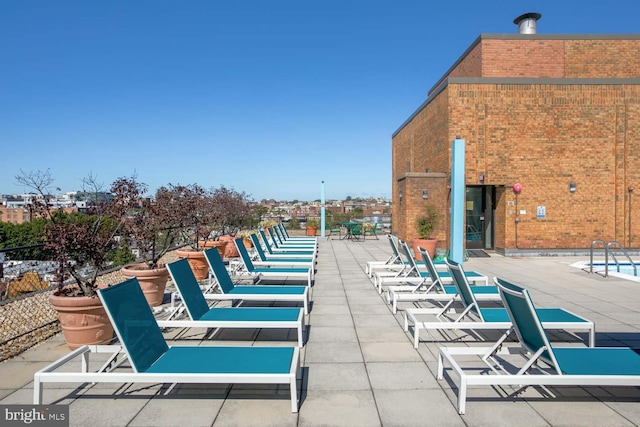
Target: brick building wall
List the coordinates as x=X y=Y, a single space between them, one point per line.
x=417 y=155
x=14 y=215
x=546 y=111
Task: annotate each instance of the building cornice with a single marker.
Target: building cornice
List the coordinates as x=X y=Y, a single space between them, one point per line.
x=517 y=81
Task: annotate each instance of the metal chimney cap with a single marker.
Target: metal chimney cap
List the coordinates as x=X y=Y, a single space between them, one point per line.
x=527 y=23
x=531 y=15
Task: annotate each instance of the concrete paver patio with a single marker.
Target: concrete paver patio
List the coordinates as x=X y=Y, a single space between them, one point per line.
x=360 y=367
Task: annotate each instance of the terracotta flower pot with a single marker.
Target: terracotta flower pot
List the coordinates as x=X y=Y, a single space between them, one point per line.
x=230 y=251
x=311 y=231
x=248 y=243
x=197 y=262
x=84 y=320
x=428 y=244
x=152 y=281
x=221 y=245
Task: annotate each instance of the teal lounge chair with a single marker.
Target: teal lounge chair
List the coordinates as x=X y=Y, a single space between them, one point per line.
x=283 y=255
x=544 y=364
x=303 y=272
x=200 y=315
x=436 y=291
x=279 y=262
x=416 y=277
x=284 y=235
x=230 y=291
x=279 y=244
x=153 y=361
x=273 y=250
x=396 y=262
x=392 y=265
x=474 y=317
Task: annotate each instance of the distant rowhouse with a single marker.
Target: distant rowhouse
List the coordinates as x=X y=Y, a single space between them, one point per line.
x=557 y=114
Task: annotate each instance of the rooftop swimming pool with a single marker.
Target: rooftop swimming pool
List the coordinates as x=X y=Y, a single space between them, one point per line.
x=623 y=270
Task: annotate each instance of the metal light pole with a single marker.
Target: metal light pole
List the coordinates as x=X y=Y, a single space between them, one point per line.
x=322 y=203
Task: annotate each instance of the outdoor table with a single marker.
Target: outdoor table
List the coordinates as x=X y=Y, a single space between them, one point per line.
x=349 y=226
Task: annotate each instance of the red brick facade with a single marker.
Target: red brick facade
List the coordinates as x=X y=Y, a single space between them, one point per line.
x=544 y=111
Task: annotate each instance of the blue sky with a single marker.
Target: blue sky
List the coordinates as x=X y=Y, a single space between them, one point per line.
x=267 y=97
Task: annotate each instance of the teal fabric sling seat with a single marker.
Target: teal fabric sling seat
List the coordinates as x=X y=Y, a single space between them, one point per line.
x=279 y=244
x=153 y=361
x=273 y=250
x=544 y=364
x=306 y=273
x=436 y=291
x=474 y=317
x=391 y=265
x=262 y=260
x=285 y=237
x=275 y=256
x=201 y=315
x=414 y=278
x=271 y=292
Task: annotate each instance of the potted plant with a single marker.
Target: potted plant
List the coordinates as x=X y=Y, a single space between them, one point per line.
x=425 y=225
x=246 y=238
x=152 y=227
x=266 y=224
x=217 y=216
x=81 y=243
x=312 y=227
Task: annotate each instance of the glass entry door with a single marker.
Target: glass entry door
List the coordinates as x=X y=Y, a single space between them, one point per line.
x=480 y=202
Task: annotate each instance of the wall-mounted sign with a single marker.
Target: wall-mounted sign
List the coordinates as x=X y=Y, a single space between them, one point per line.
x=542 y=212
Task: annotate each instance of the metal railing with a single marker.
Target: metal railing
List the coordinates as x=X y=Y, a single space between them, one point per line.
x=608 y=251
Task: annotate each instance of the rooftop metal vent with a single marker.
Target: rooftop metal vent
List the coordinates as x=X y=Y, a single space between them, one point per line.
x=527 y=23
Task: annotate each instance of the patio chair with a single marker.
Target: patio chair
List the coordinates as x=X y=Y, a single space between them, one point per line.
x=474 y=317
x=372 y=231
x=391 y=265
x=151 y=360
x=279 y=243
x=305 y=272
x=335 y=229
x=413 y=276
x=275 y=250
x=282 y=255
x=356 y=232
x=230 y=291
x=201 y=316
x=436 y=291
x=555 y=366
x=284 y=234
x=278 y=262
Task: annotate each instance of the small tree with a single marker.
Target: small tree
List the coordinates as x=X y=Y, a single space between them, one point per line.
x=78 y=241
x=151 y=226
x=426 y=223
x=294 y=224
x=230 y=210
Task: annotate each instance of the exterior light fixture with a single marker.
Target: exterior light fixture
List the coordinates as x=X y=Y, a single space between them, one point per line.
x=517 y=187
x=400 y=194
x=572 y=187
x=425 y=194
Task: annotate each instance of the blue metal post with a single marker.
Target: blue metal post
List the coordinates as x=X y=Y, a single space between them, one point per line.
x=322 y=203
x=456 y=237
